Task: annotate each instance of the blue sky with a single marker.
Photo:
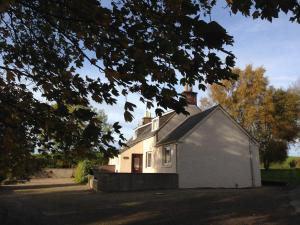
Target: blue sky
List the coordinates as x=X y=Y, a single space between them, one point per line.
x=275 y=46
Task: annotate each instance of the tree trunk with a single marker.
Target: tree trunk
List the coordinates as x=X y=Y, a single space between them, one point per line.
x=266 y=164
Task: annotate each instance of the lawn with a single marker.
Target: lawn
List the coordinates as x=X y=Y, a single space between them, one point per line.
x=282 y=172
x=291 y=176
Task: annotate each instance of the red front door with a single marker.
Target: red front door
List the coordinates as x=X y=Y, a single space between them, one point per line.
x=137 y=163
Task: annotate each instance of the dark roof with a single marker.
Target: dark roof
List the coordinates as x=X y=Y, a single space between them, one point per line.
x=165 y=118
x=146 y=131
x=142 y=133
x=185 y=126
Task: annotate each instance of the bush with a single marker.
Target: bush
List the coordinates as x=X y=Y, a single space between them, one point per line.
x=293 y=163
x=82 y=170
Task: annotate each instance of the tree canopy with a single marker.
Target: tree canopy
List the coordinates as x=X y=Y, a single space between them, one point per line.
x=145 y=47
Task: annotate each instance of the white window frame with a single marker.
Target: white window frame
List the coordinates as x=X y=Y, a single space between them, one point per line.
x=164 y=157
x=148 y=156
x=155 y=120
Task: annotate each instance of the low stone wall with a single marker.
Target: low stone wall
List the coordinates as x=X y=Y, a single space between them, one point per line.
x=55 y=173
x=110 y=182
x=106 y=169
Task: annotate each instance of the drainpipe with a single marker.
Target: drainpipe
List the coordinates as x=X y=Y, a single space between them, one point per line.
x=251 y=164
x=176 y=158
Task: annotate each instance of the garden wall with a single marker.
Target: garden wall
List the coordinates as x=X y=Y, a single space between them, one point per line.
x=55 y=173
x=110 y=182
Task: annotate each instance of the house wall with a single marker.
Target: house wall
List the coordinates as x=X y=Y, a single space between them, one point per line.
x=125 y=157
x=215 y=153
x=142 y=147
x=157 y=163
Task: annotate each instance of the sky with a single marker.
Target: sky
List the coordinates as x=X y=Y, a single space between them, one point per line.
x=275 y=46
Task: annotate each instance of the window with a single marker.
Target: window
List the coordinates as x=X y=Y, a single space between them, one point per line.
x=166 y=155
x=148 y=159
x=134 y=135
x=155 y=124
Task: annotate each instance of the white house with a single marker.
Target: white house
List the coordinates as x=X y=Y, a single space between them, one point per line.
x=206 y=149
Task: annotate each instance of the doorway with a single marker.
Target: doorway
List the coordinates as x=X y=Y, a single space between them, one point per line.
x=137 y=163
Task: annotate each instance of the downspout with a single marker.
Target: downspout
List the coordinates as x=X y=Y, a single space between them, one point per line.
x=176 y=145
x=176 y=158
x=251 y=164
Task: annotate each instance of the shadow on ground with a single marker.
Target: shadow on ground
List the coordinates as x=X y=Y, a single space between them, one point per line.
x=31 y=187
x=75 y=205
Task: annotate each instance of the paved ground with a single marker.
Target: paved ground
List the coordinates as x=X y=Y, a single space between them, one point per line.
x=61 y=202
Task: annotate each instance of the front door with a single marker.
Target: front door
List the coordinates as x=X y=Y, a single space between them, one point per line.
x=137 y=163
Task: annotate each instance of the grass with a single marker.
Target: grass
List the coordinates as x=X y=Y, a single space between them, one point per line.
x=291 y=176
x=285 y=164
x=282 y=172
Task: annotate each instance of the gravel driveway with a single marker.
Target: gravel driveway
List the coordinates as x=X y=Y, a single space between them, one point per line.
x=61 y=202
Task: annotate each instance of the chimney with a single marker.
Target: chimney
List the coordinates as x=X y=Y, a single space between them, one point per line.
x=191 y=97
x=147 y=118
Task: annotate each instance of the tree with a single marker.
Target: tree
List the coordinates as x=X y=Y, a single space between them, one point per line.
x=81 y=143
x=269 y=114
x=135 y=46
x=295 y=87
x=84 y=142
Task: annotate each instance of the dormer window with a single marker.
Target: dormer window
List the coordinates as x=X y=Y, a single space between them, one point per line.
x=134 y=135
x=155 y=124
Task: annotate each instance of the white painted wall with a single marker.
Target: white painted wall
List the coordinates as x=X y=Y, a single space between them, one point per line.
x=157 y=165
x=147 y=145
x=216 y=154
x=126 y=157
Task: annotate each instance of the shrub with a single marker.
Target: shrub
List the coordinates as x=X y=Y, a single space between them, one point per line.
x=82 y=170
x=293 y=163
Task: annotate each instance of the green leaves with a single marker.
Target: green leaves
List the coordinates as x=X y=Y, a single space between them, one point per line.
x=266 y=9
x=84 y=114
x=129 y=107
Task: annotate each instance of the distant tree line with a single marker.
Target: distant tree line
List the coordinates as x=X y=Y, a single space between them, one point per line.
x=80 y=144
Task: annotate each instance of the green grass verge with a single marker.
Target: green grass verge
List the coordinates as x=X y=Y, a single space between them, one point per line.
x=291 y=176
x=285 y=164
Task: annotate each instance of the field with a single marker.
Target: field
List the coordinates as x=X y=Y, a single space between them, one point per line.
x=282 y=172
x=290 y=176
x=285 y=164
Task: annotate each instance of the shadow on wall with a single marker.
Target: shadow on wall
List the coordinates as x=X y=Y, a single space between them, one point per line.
x=219 y=151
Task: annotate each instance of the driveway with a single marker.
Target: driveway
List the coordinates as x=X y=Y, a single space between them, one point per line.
x=61 y=202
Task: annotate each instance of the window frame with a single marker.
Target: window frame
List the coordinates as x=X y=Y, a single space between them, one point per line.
x=164 y=155
x=147 y=158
